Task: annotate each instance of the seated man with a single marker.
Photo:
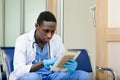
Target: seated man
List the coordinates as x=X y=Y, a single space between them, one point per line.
x=37 y=50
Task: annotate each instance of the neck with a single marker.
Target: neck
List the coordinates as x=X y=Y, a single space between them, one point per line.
x=39 y=41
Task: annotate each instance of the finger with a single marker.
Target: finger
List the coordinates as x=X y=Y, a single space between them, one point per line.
x=68 y=63
x=72 y=60
x=69 y=66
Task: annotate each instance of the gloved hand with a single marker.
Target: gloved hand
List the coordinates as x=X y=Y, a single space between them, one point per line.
x=49 y=61
x=71 y=66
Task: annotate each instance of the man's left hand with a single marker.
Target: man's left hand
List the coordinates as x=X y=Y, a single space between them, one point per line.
x=71 y=66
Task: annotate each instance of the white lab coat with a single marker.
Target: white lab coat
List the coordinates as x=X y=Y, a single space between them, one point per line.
x=25 y=53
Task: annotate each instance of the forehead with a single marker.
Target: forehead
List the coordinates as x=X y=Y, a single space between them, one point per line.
x=48 y=24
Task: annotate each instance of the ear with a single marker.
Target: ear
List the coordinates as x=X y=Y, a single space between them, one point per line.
x=36 y=25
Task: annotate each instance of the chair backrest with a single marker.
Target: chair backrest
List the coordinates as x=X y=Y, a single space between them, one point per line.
x=8 y=58
x=83 y=60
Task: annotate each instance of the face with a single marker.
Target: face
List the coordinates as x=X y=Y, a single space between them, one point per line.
x=45 y=31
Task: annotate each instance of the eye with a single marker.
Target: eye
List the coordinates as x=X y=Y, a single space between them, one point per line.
x=46 y=30
x=53 y=31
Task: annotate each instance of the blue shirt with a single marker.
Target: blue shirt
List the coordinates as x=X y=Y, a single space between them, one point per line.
x=42 y=54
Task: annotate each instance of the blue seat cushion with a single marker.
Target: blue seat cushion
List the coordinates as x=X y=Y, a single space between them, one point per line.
x=9 y=52
x=83 y=61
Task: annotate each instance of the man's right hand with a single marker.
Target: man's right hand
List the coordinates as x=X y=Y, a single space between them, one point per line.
x=49 y=62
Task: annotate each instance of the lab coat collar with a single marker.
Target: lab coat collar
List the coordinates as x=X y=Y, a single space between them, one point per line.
x=31 y=35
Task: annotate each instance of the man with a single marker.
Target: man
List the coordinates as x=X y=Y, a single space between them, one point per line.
x=37 y=50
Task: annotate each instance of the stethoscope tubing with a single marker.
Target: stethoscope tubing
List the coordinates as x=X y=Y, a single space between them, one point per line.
x=35 y=42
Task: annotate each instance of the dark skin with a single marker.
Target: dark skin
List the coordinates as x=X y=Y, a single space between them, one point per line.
x=44 y=33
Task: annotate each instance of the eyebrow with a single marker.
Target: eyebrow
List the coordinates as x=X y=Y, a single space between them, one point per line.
x=47 y=30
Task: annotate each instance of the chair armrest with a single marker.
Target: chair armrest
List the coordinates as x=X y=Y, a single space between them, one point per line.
x=1 y=68
x=0 y=71
x=110 y=70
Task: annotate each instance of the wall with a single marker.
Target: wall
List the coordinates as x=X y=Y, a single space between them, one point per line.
x=79 y=31
x=113 y=45
x=108 y=37
x=12 y=21
x=114 y=58
x=1 y=22
x=19 y=17
x=32 y=10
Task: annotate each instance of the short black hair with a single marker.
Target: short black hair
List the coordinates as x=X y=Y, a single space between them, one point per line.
x=45 y=16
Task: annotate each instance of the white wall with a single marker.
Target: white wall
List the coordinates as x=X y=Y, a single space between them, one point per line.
x=12 y=21
x=113 y=13
x=32 y=10
x=18 y=17
x=1 y=22
x=79 y=30
x=114 y=58
x=114 y=47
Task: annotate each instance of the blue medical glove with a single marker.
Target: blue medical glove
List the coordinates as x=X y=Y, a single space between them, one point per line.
x=49 y=62
x=71 y=66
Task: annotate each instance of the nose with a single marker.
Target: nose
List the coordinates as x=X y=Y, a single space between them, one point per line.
x=49 y=35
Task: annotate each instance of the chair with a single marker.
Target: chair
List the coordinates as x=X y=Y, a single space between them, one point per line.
x=2 y=73
x=85 y=64
x=7 y=56
x=83 y=61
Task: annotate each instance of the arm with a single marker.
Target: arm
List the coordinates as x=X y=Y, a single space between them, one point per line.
x=57 y=47
x=36 y=66
x=21 y=66
x=39 y=65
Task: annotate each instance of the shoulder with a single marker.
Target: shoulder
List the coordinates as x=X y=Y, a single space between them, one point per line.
x=56 y=40
x=26 y=36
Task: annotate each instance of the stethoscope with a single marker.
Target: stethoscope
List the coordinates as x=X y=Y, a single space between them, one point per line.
x=36 y=42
